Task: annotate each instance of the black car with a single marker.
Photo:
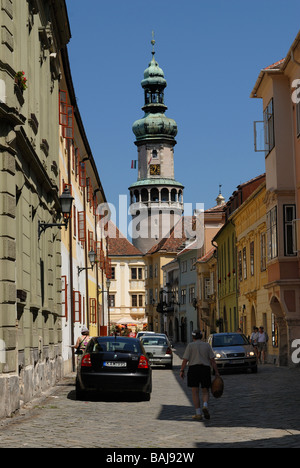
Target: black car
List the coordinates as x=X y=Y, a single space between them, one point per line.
x=114 y=364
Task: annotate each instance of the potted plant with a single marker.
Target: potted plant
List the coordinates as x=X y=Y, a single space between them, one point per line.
x=21 y=80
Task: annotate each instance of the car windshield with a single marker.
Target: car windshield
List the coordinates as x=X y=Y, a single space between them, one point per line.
x=149 y=341
x=229 y=340
x=119 y=345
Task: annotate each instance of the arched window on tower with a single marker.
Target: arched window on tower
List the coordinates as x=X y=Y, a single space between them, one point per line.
x=165 y=195
x=154 y=195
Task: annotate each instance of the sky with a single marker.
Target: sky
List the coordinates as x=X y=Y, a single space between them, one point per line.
x=211 y=53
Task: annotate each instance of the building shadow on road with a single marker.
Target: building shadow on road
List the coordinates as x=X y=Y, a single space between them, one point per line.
x=117 y=397
x=268 y=400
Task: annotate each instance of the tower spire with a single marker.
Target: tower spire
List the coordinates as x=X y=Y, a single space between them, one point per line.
x=153 y=42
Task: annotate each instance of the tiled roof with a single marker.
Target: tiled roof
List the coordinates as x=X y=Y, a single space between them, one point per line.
x=207 y=256
x=178 y=235
x=275 y=65
x=118 y=245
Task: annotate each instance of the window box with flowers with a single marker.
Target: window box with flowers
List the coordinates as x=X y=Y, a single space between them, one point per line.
x=21 y=81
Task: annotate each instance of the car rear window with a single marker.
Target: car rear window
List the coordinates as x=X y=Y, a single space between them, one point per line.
x=154 y=342
x=229 y=340
x=118 y=345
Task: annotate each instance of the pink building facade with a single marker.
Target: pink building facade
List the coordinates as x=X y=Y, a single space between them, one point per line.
x=279 y=88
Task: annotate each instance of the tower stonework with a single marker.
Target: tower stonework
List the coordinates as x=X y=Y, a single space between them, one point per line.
x=156 y=198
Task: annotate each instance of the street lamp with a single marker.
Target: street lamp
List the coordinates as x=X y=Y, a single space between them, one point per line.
x=92 y=259
x=66 y=201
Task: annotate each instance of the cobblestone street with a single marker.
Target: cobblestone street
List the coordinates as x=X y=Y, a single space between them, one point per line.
x=256 y=410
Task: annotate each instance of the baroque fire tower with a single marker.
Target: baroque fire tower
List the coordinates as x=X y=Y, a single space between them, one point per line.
x=156 y=197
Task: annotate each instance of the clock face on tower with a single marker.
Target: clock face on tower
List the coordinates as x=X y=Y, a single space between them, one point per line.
x=154 y=169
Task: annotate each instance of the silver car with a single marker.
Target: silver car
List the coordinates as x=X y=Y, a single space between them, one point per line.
x=233 y=351
x=158 y=349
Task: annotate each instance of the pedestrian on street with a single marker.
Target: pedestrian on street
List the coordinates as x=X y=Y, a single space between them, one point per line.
x=200 y=357
x=262 y=345
x=254 y=340
x=82 y=341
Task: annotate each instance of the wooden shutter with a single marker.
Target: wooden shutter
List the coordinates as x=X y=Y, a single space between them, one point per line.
x=81 y=226
x=91 y=241
x=76 y=306
x=64 y=294
x=93 y=310
x=66 y=116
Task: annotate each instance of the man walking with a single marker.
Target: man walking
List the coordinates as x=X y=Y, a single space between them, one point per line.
x=200 y=357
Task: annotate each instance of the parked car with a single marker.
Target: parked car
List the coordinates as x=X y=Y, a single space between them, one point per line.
x=233 y=351
x=158 y=349
x=143 y=333
x=114 y=364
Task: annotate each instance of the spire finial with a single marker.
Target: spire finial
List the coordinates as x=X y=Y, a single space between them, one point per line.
x=153 y=43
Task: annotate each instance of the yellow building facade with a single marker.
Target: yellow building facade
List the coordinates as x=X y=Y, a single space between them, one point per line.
x=252 y=276
x=85 y=263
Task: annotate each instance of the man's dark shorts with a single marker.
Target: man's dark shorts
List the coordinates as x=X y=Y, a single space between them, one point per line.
x=199 y=375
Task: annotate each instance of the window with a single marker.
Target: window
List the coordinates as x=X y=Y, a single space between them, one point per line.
x=207 y=288
x=183 y=296
x=134 y=300
x=184 y=267
x=76 y=306
x=272 y=233
x=252 y=258
x=93 y=310
x=66 y=116
x=244 y=263
x=269 y=127
x=82 y=174
x=191 y=294
x=81 y=226
x=240 y=266
x=141 y=300
x=263 y=252
x=136 y=273
x=289 y=231
x=112 y=300
x=74 y=221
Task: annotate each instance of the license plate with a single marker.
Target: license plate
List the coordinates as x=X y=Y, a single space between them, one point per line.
x=237 y=362
x=114 y=364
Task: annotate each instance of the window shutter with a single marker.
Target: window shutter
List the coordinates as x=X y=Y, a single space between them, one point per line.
x=76 y=306
x=81 y=226
x=98 y=250
x=82 y=174
x=92 y=310
x=66 y=116
x=62 y=107
x=64 y=293
x=91 y=241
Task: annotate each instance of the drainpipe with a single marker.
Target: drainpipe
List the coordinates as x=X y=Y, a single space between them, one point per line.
x=71 y=267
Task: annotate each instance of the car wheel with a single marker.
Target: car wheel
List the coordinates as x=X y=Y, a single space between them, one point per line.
x=80 y=394
x=254 y=370
x=146 y=396
x=169 y=366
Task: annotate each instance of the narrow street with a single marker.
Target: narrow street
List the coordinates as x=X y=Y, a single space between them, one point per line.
x=255 y=411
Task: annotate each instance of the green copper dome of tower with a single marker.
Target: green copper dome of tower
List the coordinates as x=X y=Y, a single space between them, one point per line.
x=156 y=197
x=154 y=124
